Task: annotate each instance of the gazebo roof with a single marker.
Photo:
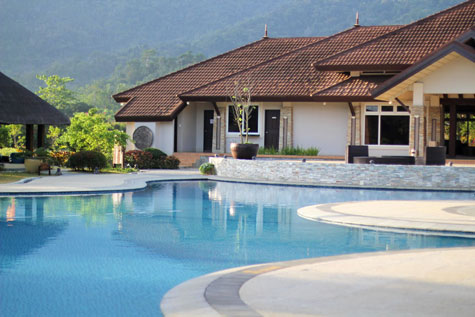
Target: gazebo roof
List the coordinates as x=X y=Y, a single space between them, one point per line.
x=18 y=105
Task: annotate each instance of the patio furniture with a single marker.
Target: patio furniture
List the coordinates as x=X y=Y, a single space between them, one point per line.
x=44 y=167
x=17 y=158
x=387 y=160
x=355 y=150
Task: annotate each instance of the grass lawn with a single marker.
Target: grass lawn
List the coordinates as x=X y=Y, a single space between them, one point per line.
x=10 y=177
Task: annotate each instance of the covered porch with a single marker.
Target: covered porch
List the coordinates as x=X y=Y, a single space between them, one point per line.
x=439 y=92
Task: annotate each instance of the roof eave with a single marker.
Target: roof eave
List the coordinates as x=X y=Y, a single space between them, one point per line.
x=142 y=118
x=295 y=98
x=426 y=61
x=367 y=67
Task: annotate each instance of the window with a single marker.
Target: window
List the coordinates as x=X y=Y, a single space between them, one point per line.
x=386 y=125
x=253 y=121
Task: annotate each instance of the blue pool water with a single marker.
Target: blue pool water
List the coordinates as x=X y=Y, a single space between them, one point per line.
x=118 y=254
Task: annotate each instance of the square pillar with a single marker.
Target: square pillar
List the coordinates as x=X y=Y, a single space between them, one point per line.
x=41 y=135
x=29 y=137
x=286 y=128
x=417 y=128
x=219 y=135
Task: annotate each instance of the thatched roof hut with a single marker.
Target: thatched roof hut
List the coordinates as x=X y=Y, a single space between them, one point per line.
x=18 y=105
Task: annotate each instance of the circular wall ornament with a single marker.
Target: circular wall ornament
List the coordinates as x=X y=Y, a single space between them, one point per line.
x=143 y=137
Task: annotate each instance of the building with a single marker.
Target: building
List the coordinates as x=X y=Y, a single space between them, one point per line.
x=18 y=105
x=394 y=88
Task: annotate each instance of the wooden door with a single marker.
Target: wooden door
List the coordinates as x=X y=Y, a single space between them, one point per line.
x=272 y=125
x=208 y=130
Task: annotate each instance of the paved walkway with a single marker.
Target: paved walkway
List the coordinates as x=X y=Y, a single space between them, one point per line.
x=452 y=218
x=81 y=183
x=432 y=282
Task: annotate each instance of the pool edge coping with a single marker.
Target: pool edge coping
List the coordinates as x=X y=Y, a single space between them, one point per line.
x=140 y=184
x=228 y=302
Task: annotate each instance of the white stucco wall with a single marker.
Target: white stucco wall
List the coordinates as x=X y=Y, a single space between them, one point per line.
x=324 y=127
x=190 y=127
x=129 y=129
x=163 y=134
x=150 y=125
x=457 y=77
x=186 y=130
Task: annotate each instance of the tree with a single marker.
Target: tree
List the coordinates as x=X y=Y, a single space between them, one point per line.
x=16 y=132
x=242 y=108
x=5 y=139
x=91 y=132
x=56 y=92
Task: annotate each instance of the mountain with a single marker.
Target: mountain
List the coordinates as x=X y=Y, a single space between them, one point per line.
x=89 y=39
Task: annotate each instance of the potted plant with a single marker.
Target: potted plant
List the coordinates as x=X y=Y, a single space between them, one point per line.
x=242 y=111
x=33 y=160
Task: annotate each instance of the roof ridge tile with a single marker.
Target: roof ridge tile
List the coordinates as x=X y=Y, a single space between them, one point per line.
x=403 y=28
x=328 y=38
x=212 y=59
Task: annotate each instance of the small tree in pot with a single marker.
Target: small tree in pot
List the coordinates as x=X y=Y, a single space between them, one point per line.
x=242 y=111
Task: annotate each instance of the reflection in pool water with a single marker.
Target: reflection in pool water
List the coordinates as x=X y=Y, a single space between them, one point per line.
x=118 y=254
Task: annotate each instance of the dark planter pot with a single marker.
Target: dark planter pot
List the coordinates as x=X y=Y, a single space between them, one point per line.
x=244 y=151
x=435 y=155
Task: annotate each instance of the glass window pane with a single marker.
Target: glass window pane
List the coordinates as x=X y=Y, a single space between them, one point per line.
x=232 y=124
x=471 y=134
x=387 y=108
x=371 y=108
x=254 y=119
x=371 y=130
x=401 y=109
x=395 y=130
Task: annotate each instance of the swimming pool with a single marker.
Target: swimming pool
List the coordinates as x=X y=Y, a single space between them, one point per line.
x=118 y=254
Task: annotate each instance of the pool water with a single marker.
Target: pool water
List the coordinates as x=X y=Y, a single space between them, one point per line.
x=118 y=254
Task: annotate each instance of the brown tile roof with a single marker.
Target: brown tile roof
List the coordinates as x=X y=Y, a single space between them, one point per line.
x=463 y=46
x=18 y=105
x=403 y=47
x=354 y=87
x=157 y=99
x=291 y=75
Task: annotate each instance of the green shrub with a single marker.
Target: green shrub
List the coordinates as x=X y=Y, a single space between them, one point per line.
x=140 y=158
x=60 y=158
x=207 y=169
x=171 y=162
x=267 y=151
x=41 y=152
x=6 y=151
x=87 y=159
x=156 y=153
x=146 y=160
x=311 y=151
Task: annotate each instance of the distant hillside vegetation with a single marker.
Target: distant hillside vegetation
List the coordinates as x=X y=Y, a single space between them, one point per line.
x=92 y=40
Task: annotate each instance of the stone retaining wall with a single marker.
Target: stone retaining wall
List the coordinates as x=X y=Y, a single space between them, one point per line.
x=348 y=175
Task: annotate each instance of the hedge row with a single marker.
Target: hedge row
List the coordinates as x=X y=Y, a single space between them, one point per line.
x=87 y=160
x=151 y=159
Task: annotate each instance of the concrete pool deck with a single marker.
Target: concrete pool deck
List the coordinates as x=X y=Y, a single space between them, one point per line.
x=448 y=218
x=418 y=282
x=430 y=282
x=87 y=183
